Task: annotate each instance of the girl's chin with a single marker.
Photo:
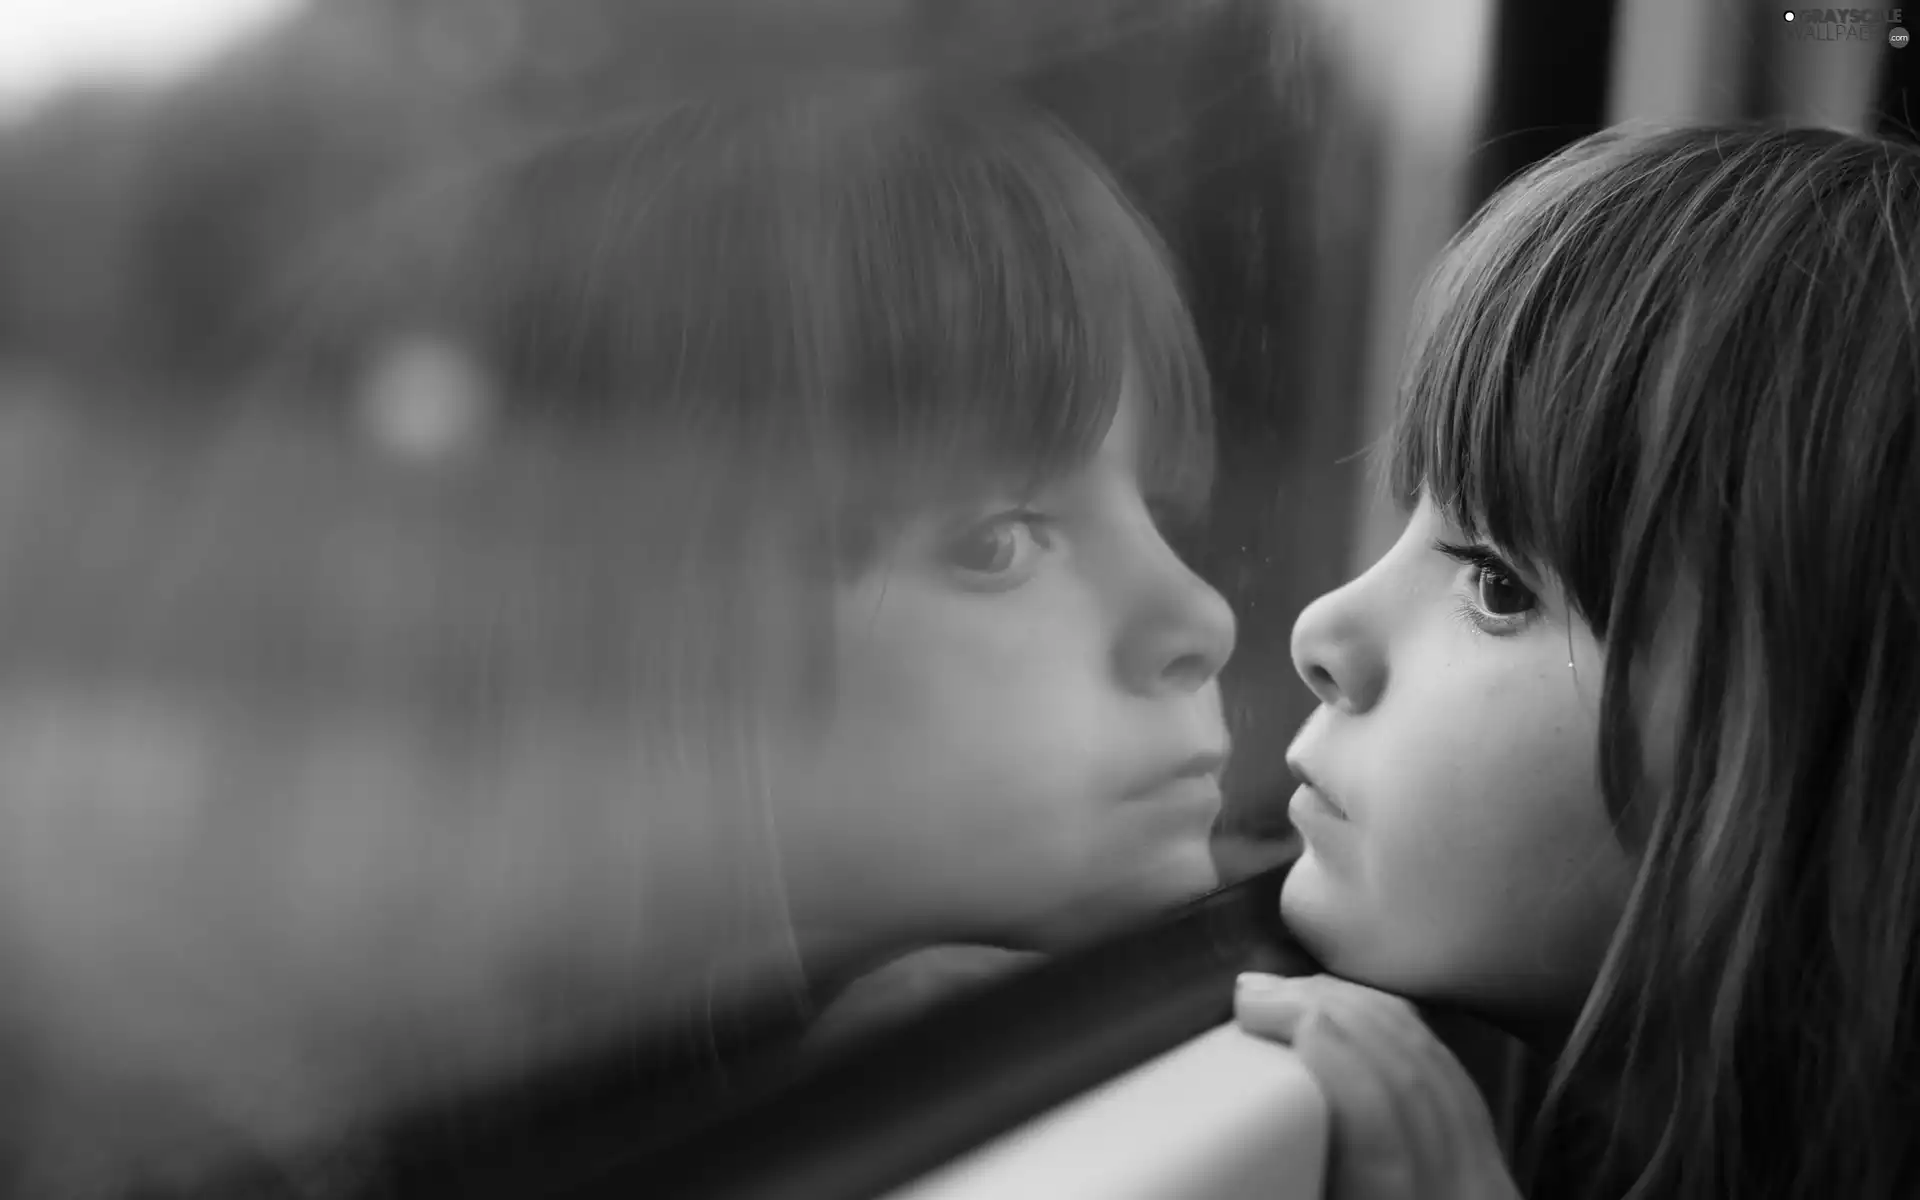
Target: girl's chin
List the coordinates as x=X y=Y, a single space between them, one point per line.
x=1325 y=923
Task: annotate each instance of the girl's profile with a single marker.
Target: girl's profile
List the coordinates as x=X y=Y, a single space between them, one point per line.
x=1616 y=746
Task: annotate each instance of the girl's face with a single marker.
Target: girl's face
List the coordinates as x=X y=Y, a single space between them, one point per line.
x=1027 y=736
x=1456 y=844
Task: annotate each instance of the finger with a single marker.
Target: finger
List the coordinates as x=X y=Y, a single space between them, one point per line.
x=1449 y=1107
x=1423 y=1099
x=1268 y=1005
x=1370 y=1149
x=1378 y=1060
x=1402 y=1022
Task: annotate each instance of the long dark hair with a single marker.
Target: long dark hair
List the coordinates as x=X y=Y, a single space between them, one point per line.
x=1678 y=371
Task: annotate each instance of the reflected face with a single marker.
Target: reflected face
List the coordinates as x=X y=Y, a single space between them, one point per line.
x=1457 y=847
x=1027 y=734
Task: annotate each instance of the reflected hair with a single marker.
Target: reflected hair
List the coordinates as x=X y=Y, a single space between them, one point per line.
x=800 y=315
x=1676 y=370
x=878 y=289
x=841 y=304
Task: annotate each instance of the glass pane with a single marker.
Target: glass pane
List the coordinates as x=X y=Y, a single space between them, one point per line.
x=531 y=525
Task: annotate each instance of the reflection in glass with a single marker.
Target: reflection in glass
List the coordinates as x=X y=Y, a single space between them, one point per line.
x=736 y=566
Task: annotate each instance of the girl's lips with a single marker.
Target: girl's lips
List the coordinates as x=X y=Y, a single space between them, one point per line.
x=1311 y=796
x=1309 y=803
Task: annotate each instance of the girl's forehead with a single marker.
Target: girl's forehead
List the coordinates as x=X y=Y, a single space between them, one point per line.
x=1426 y=510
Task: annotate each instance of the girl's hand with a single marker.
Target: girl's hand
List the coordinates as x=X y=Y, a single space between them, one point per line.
x=1408 y=1122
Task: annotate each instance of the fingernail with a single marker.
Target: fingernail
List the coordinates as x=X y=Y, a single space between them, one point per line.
x=1259 y=983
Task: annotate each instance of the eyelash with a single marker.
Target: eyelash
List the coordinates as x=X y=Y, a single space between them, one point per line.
x=1486 y=562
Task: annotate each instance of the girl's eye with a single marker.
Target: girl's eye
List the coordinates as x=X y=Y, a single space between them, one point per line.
x=1499 y=595
x=1000 y=549
x=1499 y=602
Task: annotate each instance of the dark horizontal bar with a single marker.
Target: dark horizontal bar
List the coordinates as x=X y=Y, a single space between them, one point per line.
x=654 y=1120
x=941 y=1087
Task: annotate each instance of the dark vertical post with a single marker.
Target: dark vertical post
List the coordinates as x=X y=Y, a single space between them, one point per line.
x=1897 y=104
x=1547 y=84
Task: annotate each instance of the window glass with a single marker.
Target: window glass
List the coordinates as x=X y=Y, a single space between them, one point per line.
x=738 y=520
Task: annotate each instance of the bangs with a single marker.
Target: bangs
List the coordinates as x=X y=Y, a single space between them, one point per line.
x=1514 y=419
x=855 y=300
x=998 y=297
x=1573 y=322
x=1503 y=412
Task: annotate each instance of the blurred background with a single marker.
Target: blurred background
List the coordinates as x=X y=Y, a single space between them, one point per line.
x=261 y=530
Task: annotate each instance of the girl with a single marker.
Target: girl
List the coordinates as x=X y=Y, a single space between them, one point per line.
x=1617 y=745
x=880 y=407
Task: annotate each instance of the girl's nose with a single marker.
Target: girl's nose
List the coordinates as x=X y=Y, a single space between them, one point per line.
x=1336 y=655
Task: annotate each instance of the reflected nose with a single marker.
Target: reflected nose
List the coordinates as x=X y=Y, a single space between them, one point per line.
x=1335 y=653
x=1184 y=638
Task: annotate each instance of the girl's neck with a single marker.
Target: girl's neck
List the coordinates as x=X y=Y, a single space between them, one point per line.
x=1543 y=1033
x=1542 y=1023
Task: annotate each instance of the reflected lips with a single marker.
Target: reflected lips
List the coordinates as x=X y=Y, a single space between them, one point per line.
x=1197 y=780
x=1199 y=792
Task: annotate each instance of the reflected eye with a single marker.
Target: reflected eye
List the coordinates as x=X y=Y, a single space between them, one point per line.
x=998 y=550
